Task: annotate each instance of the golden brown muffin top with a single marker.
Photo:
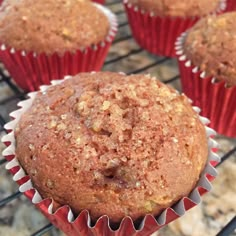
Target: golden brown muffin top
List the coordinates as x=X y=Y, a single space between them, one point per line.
x=113 y=144
x=211 y=45
x=182 y=8
x=51 y=26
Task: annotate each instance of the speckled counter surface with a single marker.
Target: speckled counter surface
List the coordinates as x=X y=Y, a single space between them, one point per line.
x=20 y=218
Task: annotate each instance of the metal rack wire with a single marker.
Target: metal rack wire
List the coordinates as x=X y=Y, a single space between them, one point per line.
x=124 y=36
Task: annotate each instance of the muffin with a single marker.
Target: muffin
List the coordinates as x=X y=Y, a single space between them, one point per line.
x=156 y=24
x=210 y=49
x=116 y=146
x=47 y=40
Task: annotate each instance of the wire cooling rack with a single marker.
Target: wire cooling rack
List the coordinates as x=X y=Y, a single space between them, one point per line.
x=126 y=56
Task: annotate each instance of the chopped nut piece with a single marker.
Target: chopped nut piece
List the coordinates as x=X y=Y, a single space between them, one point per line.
x=105 y=105
x=148 y=206
x=61 y=126
x=67 y=135
x=33 y=172
x=97 y=175
x=44 y=147
x=144 y=102
x=175 y=140
x=64 y=116
x=124 y=159
x=31 y=147
x=68 y=92
x=52 y=123
x=50 y=183
x=78 y=141
x=97 y=125
x=145 y=116
x=65 y=32
x=89 y=152
x=81 y=106
x=113 y=163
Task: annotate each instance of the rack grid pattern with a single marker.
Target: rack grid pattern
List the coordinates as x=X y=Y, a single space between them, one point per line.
x=154 y=62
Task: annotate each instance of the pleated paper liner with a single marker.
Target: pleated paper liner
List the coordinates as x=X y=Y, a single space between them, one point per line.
x=158 y=34
x=82 y=225
x=216 y=100
x=99 y=1
x=30 y=70
x=231 y=5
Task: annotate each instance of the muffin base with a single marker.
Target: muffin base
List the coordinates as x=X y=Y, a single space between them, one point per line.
x=144 y=27
x=217 y=102
x=64 y=219
x=30 y=70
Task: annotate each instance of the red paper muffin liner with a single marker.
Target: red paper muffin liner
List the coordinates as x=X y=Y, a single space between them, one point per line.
x=30 y=70
x=72 y=225
x=158 y=34
x=231 y=5
x=216 y=101
x=99 y=1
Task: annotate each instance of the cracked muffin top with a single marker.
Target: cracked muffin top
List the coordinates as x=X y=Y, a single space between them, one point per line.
x=113 y=144
x=211 y=45
x=51 y=26
x=182 y=8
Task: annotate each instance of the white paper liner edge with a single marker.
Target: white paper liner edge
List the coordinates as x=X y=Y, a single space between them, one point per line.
x=179 y=207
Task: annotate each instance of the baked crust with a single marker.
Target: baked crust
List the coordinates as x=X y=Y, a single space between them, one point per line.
x=113 y=144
